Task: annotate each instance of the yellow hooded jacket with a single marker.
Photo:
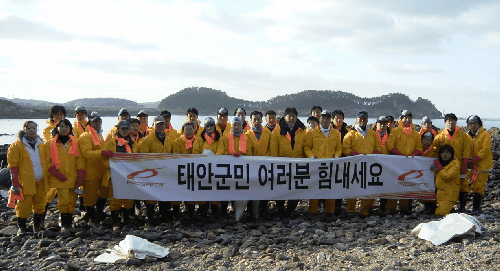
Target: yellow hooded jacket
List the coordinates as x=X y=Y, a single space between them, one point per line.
x=354 y=141
x=91 y=154
x=261 y=145
x=69 y=165
x=151 y=144
x=460 y=144
x=480 y=146
x=223 y=147
x=77 y=129
x=319 y=146
x=47 y=132
x=199 y=144
x=405 y=143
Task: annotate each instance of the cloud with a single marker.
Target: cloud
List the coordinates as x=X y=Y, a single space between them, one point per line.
x=16 y=28
x=403 y=69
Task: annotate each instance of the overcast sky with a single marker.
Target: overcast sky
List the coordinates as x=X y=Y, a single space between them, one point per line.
x=444 y=51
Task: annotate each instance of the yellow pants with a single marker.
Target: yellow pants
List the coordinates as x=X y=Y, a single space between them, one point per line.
x=91 y=191
x=329 y=206
x=51 y=194
x=478 y=186
x=464 y=184
x=392 y=204
x=364 y=208
x=32 y=202
x=116 y=204
x=103 y=192
x=66 y=200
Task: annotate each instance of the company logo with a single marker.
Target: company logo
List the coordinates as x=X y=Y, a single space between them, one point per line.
x=152 y=173
x=412 y=174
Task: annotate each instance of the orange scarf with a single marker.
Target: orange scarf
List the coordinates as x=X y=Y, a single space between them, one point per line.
x=54 y=154
x=209 y=139
x=123 y=142
x=426 y=151
x=383 y=140
x=189 y=142
x=167 y=131
x=242 y=144
x=289 y=137
x=408 y=130
x=95 y=136
x=454 y=134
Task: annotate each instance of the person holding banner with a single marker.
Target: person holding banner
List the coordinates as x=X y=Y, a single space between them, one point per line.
x=447 y=179
x=260 y=136
x=270 y=120
x=123 y=114
x=28 y=168
x=341 y=126
x=207 y=142
x=91 y=144
x=459 y=140
x=429 y=206
x=157 y=142
x=361 y=140
x=121 y=142
x=236 y=143
x=323 y=142
x=67 y=170
x=240 y=112
x=287 y=140
x=481 y=162
x=405 y=141
x=192 y=116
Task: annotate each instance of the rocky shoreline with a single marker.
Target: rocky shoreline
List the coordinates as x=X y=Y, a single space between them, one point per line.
x=300 y=242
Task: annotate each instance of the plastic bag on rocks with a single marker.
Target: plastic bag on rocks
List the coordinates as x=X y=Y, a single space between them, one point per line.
x=132 y=247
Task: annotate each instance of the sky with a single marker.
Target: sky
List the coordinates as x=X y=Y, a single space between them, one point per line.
x=445 y=51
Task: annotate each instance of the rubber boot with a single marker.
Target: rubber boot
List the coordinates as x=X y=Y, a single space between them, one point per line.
x=99 y=209
x=150 y=212
x=177 y=210
x=280 y=205
x=191 y=210
x=66 y=221
x=291 y=206
x=127 y=214
x=164 y=210
x=338 y=207
x=429 y=207
x=382 y=206
x=462 y=202
x=214 y=209
x=37 y=220
x=21 y=222
x=203 y=210
x=92 y=219
x=115 y=216
x=80 y=204
x=42 y=223
x=476 y=203
x=223 y=208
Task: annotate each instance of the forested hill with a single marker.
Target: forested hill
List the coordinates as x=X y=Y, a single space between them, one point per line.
x=208 y=101
x=104 y=102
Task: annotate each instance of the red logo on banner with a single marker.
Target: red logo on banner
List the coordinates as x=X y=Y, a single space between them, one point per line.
x=417 y=173
x=153 y=171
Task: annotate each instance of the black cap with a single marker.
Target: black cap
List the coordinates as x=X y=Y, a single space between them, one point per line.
x=390 y=118
x=362 y=114
x=123 y=111
x=165 y=112
x=94 y=115
x=142 y=113
x=79 y=109
x=123 y=123
x=223 y=111
x=209 y=122
x=406 y=113
x=426 y=120
x=382 y=119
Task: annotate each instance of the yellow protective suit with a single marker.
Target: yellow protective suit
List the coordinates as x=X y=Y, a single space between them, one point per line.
x=460 y=144
x=224 y=149
x=226 y=131
x=69 y=166
x=77 y=128
x=354 y=141
x=179 y=146
x=319 y=146
x=480 y=146
x=115 y=204
x=262 y=145
x=406 y=144
x=172 y=133
x=199 y=145
x=280 y=146
x=47 y=132
x=94 y=169
x=111 y=133
x=391 y=204
x=33 y=192
x=448 y=187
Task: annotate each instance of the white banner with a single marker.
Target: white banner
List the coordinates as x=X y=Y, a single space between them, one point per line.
x=179 y=177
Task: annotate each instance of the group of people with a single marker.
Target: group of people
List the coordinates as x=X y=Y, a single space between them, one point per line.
x=76 y=156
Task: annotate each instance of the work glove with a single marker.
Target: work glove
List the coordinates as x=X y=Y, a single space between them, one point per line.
x=438 y=165
x=81 y=177
x=415 y=153
x=236 y=154
x=465 y=163
x=14 y=172
x=376 y=152
x=352 y=153
x=475 y=160
x=395 y=151
x=108 y=154
x=53 y=170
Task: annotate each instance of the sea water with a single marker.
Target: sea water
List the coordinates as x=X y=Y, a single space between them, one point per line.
x=10 y=127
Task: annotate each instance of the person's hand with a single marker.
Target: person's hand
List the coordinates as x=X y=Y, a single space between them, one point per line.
x=465 y=163
x=415 y=153
x=61 y=177
x=81 y=177
x=108 y=154
x=376 y=152
x=438 y=165
x=475 y=160
x=14 y=172
x=236 y=154
x=313 y=157
x=352 y=153
x=395 y=151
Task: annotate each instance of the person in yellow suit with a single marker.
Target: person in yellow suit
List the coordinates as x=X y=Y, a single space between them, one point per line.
x=260 y=136
x=192 y=116
x=208 y=142
x=323 y=142
x=405 y=141
x=270 y=120
x=142 y=116
x=57 y=113
x=427 y=126
x=222 y=126
x=184 y=145
x=481 y=162
x=312 y=123
x=120 y=142
x=28 y=167
x=169 y=130
x=236 y=143
x=123 y=114
x=240 y=112
x=91 y=144
x=339 y=124
x=316 y=111
x=67 y=170
x=78 y=129
x=287 y=140
x=361 y=140
x=459 y=140
x=157 y=142
x=81 y=121
x=429 y=206
x=447 y=179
